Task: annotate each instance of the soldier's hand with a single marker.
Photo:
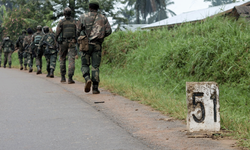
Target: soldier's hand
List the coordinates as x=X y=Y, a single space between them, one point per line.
x=76 y=57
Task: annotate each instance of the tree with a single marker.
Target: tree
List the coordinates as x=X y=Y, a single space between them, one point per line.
x=219 y=2
x=156 y=8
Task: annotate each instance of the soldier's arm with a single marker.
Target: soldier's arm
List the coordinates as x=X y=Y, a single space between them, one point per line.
x=108 y=29
x=58 y=29
x=41 y=42
x=17 y=42
x=80 y=25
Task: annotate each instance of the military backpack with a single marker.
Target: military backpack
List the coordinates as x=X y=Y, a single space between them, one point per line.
x=37 y=39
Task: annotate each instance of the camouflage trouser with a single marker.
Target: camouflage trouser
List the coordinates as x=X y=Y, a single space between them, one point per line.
x=22 y=55
x=30 y=59
x=39 y=57
x=51 y=61
x=95 y=54
x=67 y=48
x=7 y=56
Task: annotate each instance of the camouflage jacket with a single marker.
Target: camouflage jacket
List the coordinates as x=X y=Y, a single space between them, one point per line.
x=27 y=41
x=99 y=24
x=7 y=46
x=19 y=42
x=46 y=39
x=35 y=34
x=59 y=27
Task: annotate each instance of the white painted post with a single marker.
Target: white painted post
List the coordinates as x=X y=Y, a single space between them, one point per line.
x=203 y=106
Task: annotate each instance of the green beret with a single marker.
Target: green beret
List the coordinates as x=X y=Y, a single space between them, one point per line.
x=94 y=2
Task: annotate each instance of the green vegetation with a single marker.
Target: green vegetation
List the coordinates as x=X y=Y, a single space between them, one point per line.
x=153 y=67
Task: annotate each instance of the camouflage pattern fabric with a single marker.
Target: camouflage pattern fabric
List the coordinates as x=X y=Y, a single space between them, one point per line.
x=51 y=61
x=21 y=51
x=7 y=46
x=100 y=26
x=93 y=57
x=67 y=47
x=7 y=56
x=27 y=41
x=100 y=29
x=30 y=59
x=40 y=54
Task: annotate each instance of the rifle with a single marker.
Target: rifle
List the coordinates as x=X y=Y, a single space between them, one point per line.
x=47 y=51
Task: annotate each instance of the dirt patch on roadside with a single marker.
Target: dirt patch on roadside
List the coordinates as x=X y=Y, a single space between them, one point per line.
x=154 y=129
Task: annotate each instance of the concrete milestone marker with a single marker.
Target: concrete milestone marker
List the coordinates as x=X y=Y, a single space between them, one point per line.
x=203 y=106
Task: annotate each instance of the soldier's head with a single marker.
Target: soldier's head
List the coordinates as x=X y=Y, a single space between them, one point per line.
x=46 y=29
x=67 y=12
x=7 y=37
x=24 y=32
x=29 y=30
x=39 y=28
x=94 y=4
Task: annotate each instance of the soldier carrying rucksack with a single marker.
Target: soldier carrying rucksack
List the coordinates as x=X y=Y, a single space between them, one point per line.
x=36 y=38
x=8 y=49
x=48 y=42
x=27 y=46
x=21 y=51
x=66 y=37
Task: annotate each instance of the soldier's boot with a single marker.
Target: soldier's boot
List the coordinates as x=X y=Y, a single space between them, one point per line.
x=31 y=69
x=9 y=65
x=70 y=80
x=51 y=73
x=21 y=68
x=87 y=84
x=25 y=67
x=63 y=79
x=48 y=73
x=95 y=88
x=4 y=65
x=0 y=63
x=38 y=70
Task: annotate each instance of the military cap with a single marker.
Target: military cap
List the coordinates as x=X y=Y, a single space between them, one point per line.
x=24 y=31
x=46 y=29
x=39 y=27
x=94 y=2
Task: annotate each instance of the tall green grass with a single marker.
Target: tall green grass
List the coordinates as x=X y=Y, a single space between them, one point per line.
x=153 y=67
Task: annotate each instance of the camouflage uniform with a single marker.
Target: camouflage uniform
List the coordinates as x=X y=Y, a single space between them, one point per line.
x=35 y=48
x=48 y=41
x=27 y=44
x=97 y=27
x=67 y=29
x=8 y=49
x=21 y=52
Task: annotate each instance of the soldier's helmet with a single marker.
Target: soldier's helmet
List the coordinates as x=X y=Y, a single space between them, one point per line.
x=39 y=27
x=29 y=30
x=94 y=3
x=67 y=11
x=46 y=29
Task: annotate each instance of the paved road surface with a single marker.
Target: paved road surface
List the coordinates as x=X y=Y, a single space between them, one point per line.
x=36 y=114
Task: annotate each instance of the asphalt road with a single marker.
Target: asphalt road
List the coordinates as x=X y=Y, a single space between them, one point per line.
x=36 y=114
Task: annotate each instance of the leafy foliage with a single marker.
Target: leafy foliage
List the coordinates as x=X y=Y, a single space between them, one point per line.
x=214 y=50
x=219 y=2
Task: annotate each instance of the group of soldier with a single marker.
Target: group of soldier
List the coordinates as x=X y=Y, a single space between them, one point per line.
x=92 y=25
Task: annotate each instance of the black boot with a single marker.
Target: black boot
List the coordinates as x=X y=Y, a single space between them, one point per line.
x=0 y=63
x=31 y=69
x=21 y=67
x=51 y=73
x=70 y=80
x=87 y=84
x=38 y=70
x=25 y=67
x=9 y=65
x=95 y=88
x=63 y=79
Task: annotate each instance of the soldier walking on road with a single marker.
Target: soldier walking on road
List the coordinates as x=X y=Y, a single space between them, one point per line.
x=49 y=42
x=66 y=37
x=27 y=46
x=21 y=51
x=8 y=49
x=96 y=27
x=36 y=38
